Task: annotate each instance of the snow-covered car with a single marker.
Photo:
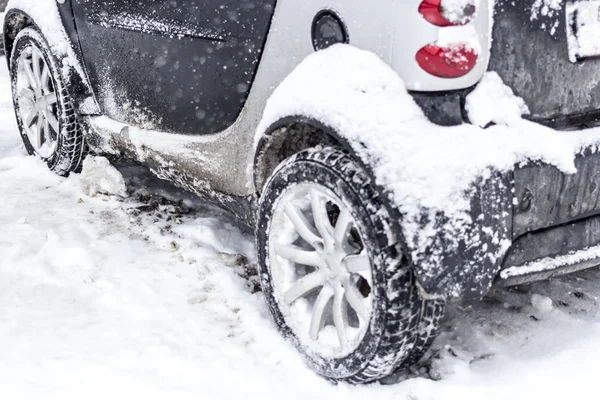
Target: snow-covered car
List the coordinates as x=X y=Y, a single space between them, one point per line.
x=319 y=123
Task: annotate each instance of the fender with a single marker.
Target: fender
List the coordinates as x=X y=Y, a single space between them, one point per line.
x=46 y=16
x=456 y=249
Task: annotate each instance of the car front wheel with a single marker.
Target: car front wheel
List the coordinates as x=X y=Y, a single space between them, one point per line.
x=333 y=273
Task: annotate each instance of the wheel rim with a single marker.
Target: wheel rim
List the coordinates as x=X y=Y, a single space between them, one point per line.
x=38 y=103
x=320 y=270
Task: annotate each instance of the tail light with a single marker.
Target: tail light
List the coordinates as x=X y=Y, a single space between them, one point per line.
x=448 y=12
x=447 y=62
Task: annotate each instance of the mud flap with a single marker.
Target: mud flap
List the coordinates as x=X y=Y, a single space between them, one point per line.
x=466 y=268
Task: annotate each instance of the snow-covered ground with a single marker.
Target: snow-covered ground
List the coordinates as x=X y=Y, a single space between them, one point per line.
x=104 y=297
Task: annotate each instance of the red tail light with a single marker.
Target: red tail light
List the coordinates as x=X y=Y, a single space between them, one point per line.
x=447 y=62
x=459 y=13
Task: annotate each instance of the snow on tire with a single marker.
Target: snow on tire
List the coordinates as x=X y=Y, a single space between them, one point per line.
x=45 y=113
x=333 y=273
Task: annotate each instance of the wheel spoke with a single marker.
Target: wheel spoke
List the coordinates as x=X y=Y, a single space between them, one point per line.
x=302 y=225
x=45 y=78
x=30 y=117
x=358 y=263
x=47 y=136
x=342 y=227
x=27 y=94
x=29 y=74
x=37 y=73
x=50 y=98
x=303 y=286
x=356 y=301
x=39 y=132
x=318 y=315
x=319 y=209
x=53 y=147
x=53 y=121
x=340 y=316
x=297 y=255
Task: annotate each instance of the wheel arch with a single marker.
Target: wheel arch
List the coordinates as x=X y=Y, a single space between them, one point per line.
x=288 y=136
x=443 y=276
x=14 y=22
x=73 y=72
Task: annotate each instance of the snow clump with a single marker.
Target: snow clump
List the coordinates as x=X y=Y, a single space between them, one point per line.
x=542 y=304
x=545 y=8
x=459 y=11
x=494 y=102
x=100 y=177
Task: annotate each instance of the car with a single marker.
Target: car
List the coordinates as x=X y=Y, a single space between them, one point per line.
x=313 y=122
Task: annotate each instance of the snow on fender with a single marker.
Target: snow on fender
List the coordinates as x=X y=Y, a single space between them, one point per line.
x=454 y=205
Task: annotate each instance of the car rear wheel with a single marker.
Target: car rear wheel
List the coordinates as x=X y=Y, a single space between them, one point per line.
x=45 y=114
x=333 y=273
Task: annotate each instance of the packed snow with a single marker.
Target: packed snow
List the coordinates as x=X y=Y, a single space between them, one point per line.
x=545 y=264
x=145 y=297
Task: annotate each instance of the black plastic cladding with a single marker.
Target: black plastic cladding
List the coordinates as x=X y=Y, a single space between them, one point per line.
x=531 y=56
x=184 y=67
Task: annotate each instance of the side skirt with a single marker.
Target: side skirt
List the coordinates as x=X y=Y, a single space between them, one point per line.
x=551 y=252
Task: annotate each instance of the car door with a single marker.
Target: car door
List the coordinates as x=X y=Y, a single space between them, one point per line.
x=174 y=66
x=535 y=53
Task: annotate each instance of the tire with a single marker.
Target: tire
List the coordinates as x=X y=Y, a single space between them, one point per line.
x=402 y=324
x=68 y=140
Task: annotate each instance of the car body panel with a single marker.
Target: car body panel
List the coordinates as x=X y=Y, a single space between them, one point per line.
x=223 y=161
x=548 y=197
x=177 y=67
x=530 y=52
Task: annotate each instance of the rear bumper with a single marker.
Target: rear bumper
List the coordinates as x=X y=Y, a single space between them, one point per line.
x=556 y=221
x=529 y=224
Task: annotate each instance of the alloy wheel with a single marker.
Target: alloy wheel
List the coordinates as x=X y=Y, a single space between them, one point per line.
x=321 y=270
x=38 y=102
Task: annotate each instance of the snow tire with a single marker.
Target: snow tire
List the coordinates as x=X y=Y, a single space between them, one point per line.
x=403 y=323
